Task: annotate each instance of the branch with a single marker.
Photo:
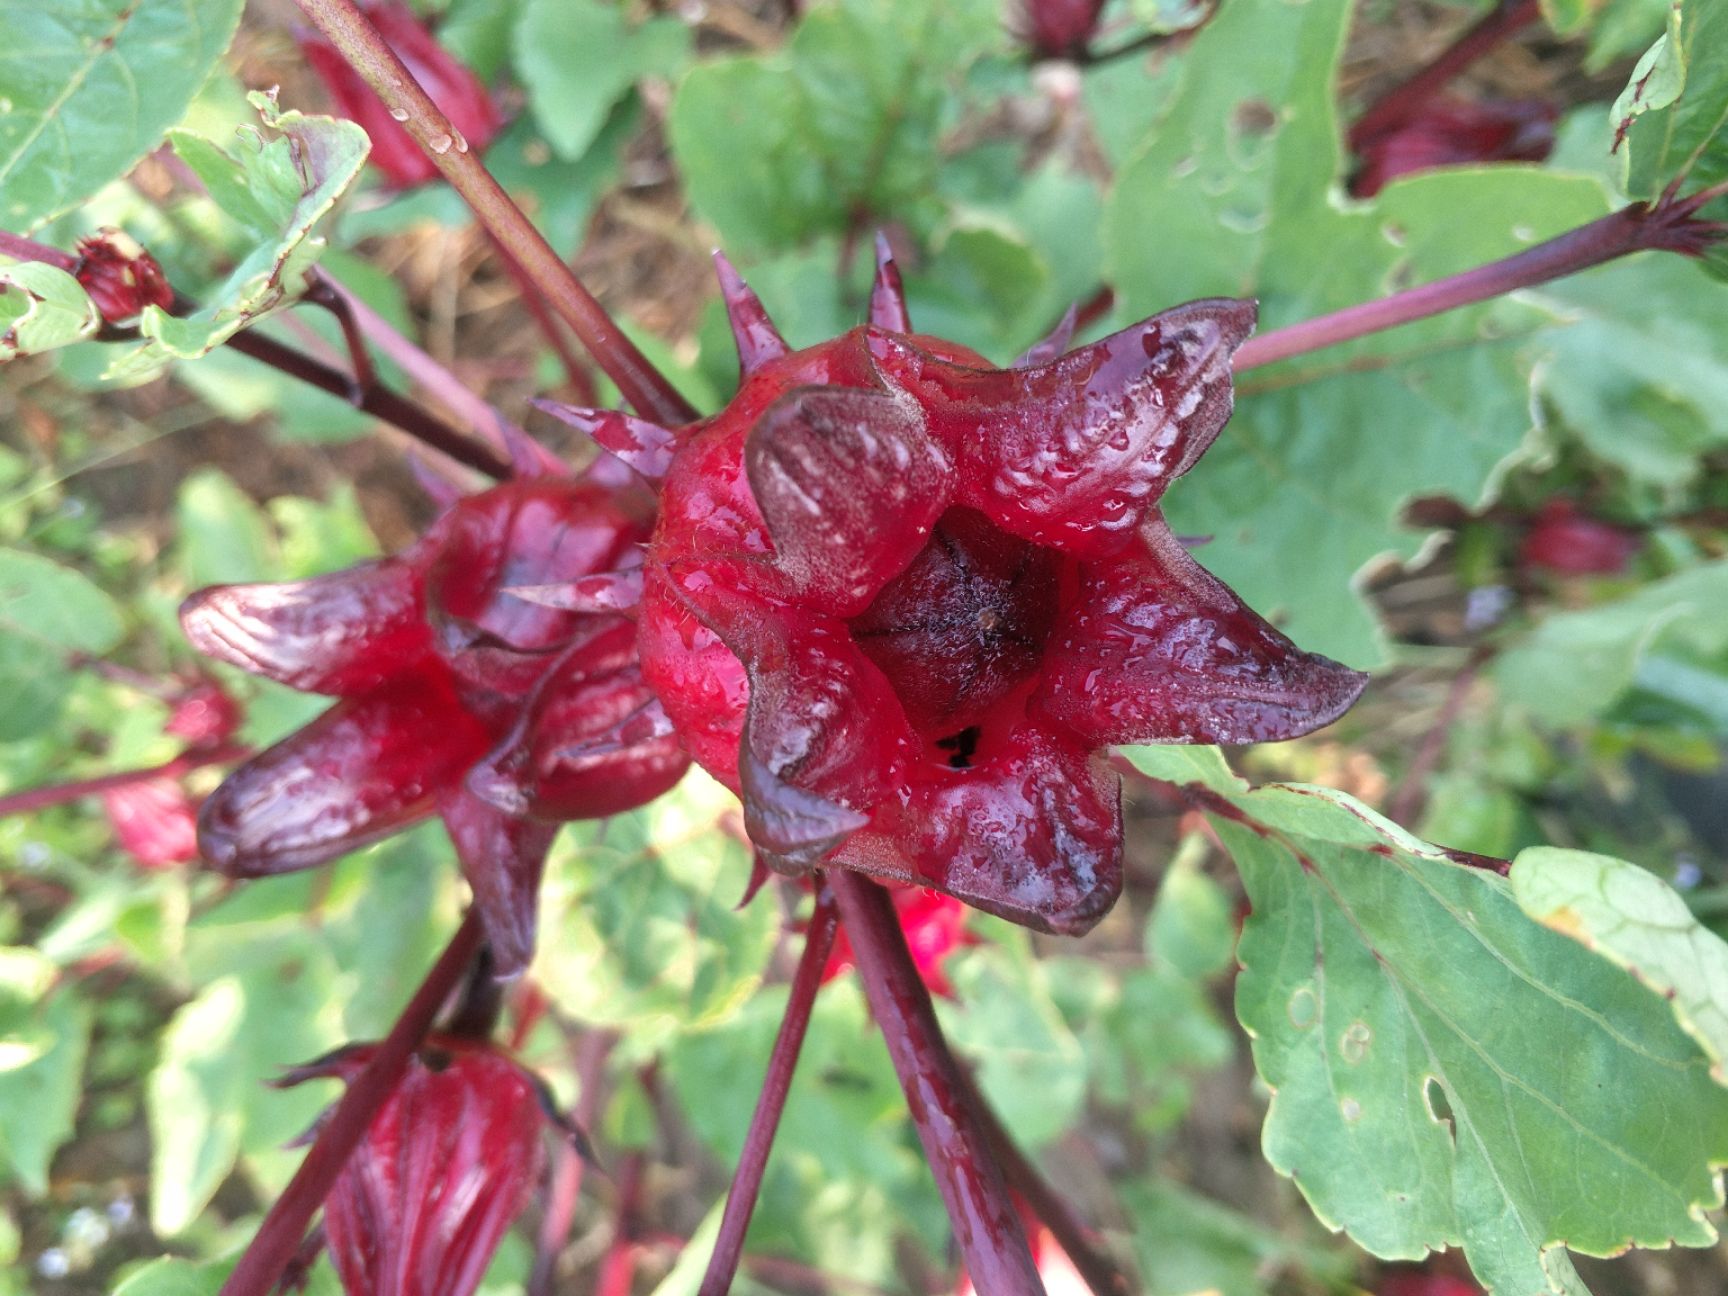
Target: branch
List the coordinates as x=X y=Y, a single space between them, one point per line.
x=1667 y=225
x=41 y=798
x=1398 y=105
x=358 y=41
x=278 y=1237
x=747 y=1182
x=986 y=1225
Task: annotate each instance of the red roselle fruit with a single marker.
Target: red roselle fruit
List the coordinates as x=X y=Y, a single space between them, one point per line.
x=1456 y=132
x=1060 y=28
x=1567 y=541
x=154 y=821
x=120 y=276
x=204 y=715
x=1421 y=1284
x=934 y=925
x=451 y=85
x=458 y=694
x=446 y=1166
x=898 y=599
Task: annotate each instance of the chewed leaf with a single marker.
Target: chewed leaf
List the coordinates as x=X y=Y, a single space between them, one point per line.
x=1436 y=1054
x=41 y=307
x=1636 y=921
x=276 y=187
x=1668 y=121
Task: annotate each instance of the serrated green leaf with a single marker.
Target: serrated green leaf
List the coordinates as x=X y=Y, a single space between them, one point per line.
x=87 y=87
x=46 y=604
x=578 y=58
x=843 y=121
x=41 y=307
x=1669 y=121
x=1575 y=664
x=1445 y=1070
x=276 y=189
x=1636 y=921
x=1324 y=452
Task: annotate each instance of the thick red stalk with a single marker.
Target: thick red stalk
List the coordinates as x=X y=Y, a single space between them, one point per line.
x=1638 y=228
x=1102 y=1274
x=345 y=27
x=41 y=798
x=986 y=1226
x=1398 y=105
x=747 y=1182
x=278 y=1237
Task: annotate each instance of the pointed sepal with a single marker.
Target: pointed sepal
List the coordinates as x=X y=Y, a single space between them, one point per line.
x=502 y=857
x=646 y=447
x=757 y=338
x=618 y=591
x=887 y=292
x=1052 y=345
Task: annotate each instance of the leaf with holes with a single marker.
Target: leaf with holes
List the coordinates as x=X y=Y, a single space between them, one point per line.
x=1445 y=1070
x=87 y=87
x=41 y=307
x=276 y=188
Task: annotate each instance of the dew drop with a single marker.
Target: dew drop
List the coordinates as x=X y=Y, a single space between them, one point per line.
x=1353 y=1047
x=400 y=114
x=461 y=142
x=440 y=144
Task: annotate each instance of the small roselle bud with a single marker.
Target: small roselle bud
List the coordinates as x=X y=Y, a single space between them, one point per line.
x=204 y=715
x=450 y=84
x=1568 y=542
x=446 y=1166
x=1060 y=28
x=120 y=276
x=154 y=821
x=1456 y=132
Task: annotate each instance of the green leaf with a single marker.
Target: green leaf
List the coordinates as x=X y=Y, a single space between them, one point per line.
x=578 y=58
x=1326 y=450
x=1669 y=120
x=87 y=87
x=1636 y=921
x=44 y=1037
x=41 y=307
x=843 y=122
x=1192 y=928
x=1187 y=1244
x=1575 y=664
x=1446 y=1070
x=223 y=536
x=276 y=190
x=53 y=606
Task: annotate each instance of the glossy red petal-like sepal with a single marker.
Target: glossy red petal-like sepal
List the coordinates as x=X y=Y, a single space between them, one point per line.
x=1156 y=649
x=646 y=447
x=793 y=828
x=364 y=769
x=342 y=634
x=1033 y=835
x=1053 y=345
x=757 y=338
x=887 y=292
x=605 y=592
x=850 y=484
x=1073 y=453
x=502 y=857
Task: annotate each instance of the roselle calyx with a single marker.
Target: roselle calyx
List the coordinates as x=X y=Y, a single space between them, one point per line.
x=1566 y=541
x=1456 y=132
x=447 y=80
x=456 y=697
x=898 y=599
x=120 y=276
x=446 y=1166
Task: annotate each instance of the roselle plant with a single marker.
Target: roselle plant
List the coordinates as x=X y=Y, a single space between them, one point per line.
x=809 y=675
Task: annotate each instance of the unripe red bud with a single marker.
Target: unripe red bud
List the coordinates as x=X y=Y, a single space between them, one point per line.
x=120 y=276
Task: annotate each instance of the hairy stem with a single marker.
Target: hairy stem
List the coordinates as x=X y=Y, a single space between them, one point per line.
x=645 y=387
x=30 y=800
x=1638 y=228
x=278 y=1237
x=747 y=1182
x=1398 y=105
x=986 y=1225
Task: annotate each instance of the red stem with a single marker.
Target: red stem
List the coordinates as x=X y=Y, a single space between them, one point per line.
x=278 y=1237
x=986 y=1226
x=41 y=798
x=645 y=387
x=1102 y=1274
x=747 y=1182
x=20 y=248
x=1640 y=227
x=1398 y=105
x=580 y=380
